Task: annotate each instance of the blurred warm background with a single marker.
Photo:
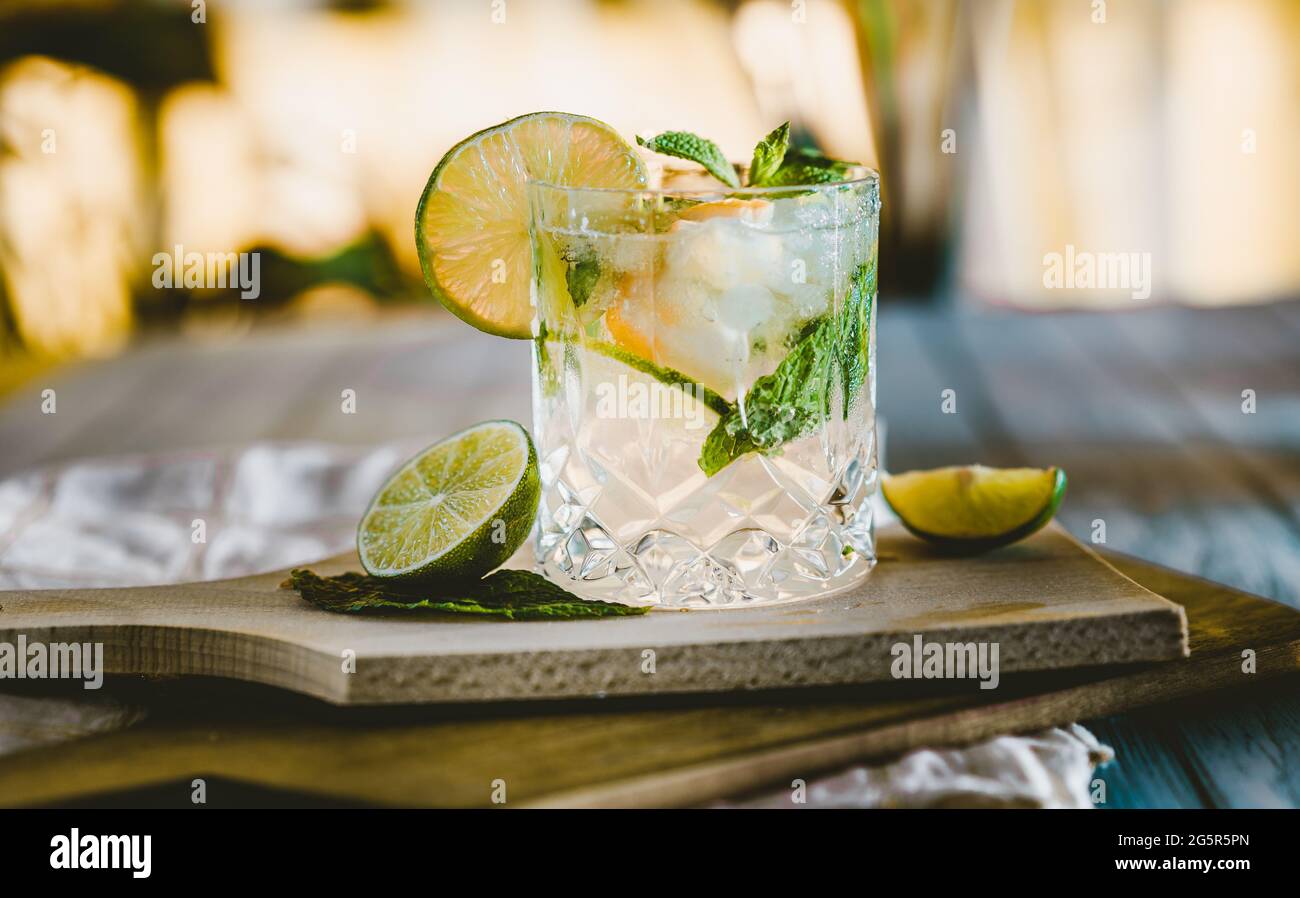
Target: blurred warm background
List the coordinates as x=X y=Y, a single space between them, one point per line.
x=1004 y=130
x=155 y=435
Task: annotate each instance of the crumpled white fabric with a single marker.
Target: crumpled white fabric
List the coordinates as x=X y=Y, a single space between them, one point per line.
x=1051 y=769
x=146 y=520
x=133 y=521
x=30 y=722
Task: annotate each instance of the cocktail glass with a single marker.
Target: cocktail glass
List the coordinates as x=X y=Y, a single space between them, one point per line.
x=704 y=389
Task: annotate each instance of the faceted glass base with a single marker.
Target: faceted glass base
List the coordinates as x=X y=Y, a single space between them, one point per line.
x=751 y=535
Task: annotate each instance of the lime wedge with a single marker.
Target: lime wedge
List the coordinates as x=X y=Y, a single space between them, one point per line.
x=975 y=507
x=471 y=227
x=458 y=509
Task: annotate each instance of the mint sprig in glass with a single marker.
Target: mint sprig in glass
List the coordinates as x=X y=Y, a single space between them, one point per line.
x=704 y=377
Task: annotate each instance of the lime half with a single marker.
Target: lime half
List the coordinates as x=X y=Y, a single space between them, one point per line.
x=458 y=509
x=975 y=507
x=471 y=227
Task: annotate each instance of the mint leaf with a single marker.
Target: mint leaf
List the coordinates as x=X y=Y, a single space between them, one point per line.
x=804 y=166
x=685 y=145
x=514 y=595
x=853 y=343
x=546 y=369
x=580 y=277
x=768 y=156
x=779 y=407
x=722 y=447
x=794 y=400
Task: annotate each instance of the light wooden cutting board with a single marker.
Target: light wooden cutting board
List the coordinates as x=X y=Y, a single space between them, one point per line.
x=647 y=751
x=1048 y=603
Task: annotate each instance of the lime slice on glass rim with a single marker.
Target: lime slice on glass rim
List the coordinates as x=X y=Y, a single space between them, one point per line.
x=974 y=508
x=458 y=509
x=471 y=227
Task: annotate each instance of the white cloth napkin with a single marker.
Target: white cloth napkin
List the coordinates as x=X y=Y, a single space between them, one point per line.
x=144 y=520
x=1052 y=769
x=154 y=519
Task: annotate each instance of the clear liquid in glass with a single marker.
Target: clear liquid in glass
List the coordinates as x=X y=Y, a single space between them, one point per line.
x=704 y=392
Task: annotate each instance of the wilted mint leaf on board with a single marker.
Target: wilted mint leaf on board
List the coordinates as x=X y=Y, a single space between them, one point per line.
x=513 y=595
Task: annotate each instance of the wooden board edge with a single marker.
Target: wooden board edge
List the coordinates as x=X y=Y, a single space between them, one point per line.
x=151 y=650
x=143 y=649
x=408 y=680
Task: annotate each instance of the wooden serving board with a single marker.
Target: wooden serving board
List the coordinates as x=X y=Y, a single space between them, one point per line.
x=1048 y=603
x=255 y=745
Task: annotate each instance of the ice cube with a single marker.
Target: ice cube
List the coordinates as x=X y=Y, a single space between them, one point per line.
x=723 y=253
x=745 y=307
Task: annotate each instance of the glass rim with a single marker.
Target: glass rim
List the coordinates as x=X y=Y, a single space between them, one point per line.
x=863 y=175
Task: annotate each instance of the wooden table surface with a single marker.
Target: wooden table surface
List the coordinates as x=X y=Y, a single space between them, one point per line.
x=1144 y=410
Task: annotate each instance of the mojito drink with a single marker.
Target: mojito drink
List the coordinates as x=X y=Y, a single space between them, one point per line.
x=704 y=388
